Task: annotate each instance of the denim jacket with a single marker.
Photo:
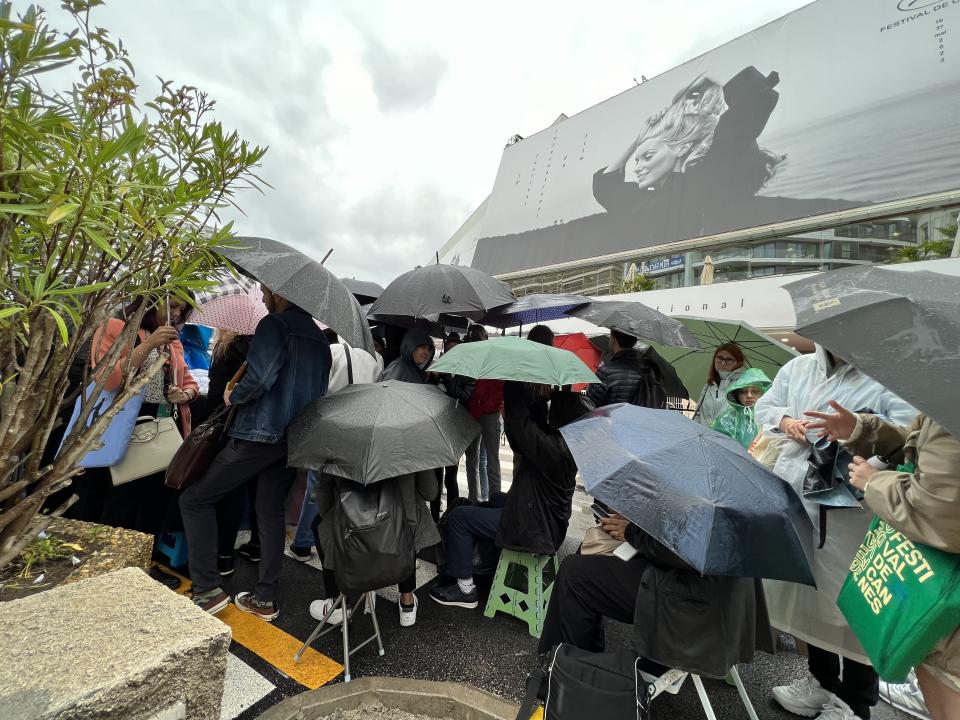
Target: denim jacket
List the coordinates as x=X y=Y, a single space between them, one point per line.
x=288 y=367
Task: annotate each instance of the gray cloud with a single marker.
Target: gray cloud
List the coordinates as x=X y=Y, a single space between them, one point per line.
x=402 y=81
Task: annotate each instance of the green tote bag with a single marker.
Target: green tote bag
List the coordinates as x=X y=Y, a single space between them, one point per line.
x=900 y=599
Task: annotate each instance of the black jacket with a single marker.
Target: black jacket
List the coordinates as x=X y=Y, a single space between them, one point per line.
x=702 y=624
x=620 y=377
x=538 y=506
x=224 y=367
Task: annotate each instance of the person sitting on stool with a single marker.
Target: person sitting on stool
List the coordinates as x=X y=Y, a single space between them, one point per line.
x=533 y=516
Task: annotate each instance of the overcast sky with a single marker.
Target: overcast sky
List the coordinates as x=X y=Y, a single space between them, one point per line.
x=386 y=120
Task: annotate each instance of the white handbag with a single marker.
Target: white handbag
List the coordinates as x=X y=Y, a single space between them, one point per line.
x=152 y=446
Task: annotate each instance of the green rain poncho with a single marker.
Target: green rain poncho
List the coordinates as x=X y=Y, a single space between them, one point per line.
x=738 y=421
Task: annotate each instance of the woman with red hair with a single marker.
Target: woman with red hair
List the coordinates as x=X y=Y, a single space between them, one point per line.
x=727 y=366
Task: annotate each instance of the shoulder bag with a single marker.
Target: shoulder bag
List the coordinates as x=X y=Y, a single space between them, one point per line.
x=152 y=445
x=900 y=598
x=193 y=457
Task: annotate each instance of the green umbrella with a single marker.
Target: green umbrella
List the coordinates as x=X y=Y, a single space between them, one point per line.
x=513 y=358
x=760 y=351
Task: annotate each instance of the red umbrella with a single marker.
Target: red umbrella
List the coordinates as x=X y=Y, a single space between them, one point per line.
x=580 y=345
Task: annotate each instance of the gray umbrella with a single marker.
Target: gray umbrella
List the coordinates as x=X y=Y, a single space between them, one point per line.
x=696 y=491
x=371 y=432
x=533 y=309
x=435 y=290
x=364 y=291
x=303 y=281
x=638 y=320
x=899 y=326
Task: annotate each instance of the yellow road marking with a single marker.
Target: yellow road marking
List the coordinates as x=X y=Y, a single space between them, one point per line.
x=274 y=645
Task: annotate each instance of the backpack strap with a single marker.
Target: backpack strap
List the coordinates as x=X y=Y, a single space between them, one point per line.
x=535 y=682
x=346 y=352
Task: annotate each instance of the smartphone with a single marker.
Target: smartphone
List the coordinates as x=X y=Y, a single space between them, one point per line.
x=598 y=512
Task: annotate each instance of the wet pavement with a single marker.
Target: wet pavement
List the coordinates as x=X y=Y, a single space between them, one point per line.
x=459 y=645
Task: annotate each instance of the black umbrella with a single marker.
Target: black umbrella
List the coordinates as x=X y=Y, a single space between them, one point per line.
x=899 y=326
x=363 y=290
x=434 y=290
x=371 y=432
x=638 y=320
x=696 y=491
x=304 y=282
x=533 y=309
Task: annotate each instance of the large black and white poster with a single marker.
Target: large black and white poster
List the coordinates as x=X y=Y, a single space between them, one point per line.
x=840 y=104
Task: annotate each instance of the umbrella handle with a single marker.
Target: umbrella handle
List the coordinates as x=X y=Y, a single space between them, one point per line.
x=237 y=376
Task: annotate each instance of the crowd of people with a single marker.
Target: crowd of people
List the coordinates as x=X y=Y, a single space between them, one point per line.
x=680 y=618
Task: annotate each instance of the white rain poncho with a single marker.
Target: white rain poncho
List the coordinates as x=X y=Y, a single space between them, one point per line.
x=808 y=383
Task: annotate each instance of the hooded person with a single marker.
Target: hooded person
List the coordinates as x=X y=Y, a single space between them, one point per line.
x=533 y=515
x=416 y=354
x=739 y=421
x=810 y=382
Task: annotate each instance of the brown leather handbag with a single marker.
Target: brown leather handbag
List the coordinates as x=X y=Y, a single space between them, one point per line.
x=201 y=446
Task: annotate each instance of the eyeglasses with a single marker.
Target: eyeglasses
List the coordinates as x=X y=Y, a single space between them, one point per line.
x=725 y=359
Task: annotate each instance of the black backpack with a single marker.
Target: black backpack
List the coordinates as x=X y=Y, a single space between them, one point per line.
x=372 y=541
x=581 y=684
x=649 y=392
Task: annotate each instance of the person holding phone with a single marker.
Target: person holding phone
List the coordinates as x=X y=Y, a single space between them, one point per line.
x=680 y=618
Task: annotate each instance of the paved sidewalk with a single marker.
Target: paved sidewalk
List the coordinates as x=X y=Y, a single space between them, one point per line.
x=453 y=644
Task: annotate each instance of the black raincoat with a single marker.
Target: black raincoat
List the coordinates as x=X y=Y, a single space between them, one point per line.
x=538 y=506
x=702 y=624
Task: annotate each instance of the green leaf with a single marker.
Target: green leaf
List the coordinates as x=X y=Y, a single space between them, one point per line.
x=10 y=311
x=61 y=212
x=85 y=289
x=11 y=25
x=61 y=324
x=17 y=209
x=101 y=242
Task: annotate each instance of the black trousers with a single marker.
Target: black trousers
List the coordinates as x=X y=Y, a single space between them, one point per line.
x=449 y=477
x=860 y=686
x=330 y=587
x=230 y=515
x=589 y=588
x=233 y=467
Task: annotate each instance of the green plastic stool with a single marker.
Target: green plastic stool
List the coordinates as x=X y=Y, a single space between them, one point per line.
x=522 y=587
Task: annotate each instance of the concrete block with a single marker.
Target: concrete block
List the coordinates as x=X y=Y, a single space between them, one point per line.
x=115 y=647
x=442 y=700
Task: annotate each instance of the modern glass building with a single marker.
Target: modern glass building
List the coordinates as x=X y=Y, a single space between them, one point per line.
x=873 y=241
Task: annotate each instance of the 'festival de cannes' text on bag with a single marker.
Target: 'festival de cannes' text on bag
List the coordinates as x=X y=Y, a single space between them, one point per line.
x=900 y=598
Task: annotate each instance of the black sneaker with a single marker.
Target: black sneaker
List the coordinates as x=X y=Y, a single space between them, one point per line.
x=251 y=551
x=165 y=578
x=211 y=602
x=301 y=554
x=265 y=610
x=225 y=565
x=452 y=596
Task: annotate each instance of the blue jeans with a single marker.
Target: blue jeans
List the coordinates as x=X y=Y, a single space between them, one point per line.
x=484 y=481
x=304 y=535
x=465 y=524
x=481 y=484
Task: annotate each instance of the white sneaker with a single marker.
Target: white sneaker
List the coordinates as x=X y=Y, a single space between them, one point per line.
x=836 y=709
x=408 y=618
x=802 y=697
x=905 y=697
x=319 y=609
